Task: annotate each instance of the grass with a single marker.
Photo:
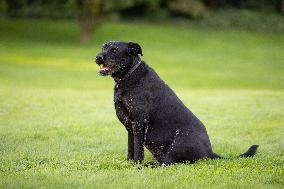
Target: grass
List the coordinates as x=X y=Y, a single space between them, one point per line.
x=58 y=127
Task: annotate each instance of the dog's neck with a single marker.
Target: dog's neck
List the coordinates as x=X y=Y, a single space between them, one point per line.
x=133 y=74
x=136 y=62
x=132 y=70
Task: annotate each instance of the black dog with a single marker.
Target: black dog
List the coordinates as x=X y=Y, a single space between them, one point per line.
x=151 y=112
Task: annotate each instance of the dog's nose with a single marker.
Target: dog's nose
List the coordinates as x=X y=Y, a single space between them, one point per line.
x=99 y=58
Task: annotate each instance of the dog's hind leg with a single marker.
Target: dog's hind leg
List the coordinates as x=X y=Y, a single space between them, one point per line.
x=176 y=150
x=187 y=146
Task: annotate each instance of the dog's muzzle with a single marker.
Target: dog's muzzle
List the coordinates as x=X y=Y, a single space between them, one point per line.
x=99 y=59
x=103 y=70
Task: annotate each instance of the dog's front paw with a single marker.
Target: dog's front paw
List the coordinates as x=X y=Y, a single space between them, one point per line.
x=137 y=161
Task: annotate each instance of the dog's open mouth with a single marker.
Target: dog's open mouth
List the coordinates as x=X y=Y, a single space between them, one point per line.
x=104 y=70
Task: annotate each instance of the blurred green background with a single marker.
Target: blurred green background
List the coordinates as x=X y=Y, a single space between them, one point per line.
x=58 y=129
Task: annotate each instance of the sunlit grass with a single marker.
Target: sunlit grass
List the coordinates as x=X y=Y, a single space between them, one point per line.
x=58 y=127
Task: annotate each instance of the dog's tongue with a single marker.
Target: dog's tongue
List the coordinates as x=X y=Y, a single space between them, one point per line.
x=103 y=68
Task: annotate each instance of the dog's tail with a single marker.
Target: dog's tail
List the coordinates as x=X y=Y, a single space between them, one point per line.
x=249 y=153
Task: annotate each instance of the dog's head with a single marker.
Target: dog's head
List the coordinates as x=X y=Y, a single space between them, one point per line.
x=117 y=57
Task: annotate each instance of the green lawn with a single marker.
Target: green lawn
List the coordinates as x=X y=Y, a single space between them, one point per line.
x=58 y=127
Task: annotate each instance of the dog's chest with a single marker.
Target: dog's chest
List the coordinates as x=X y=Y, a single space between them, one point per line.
x=123 y=101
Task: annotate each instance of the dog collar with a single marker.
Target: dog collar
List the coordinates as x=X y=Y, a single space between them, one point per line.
x=133 y=69
x=128 y=74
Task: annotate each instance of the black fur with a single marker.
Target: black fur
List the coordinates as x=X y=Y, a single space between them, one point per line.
x=151 y=112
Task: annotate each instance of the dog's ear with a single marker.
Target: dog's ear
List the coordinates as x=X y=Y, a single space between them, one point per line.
x=134 y=49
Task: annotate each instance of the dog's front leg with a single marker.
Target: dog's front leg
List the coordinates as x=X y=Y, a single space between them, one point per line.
x=130 y=155
x=124 y=119
x=139 y=136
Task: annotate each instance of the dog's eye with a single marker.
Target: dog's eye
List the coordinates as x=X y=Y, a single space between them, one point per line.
x=114 y=50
